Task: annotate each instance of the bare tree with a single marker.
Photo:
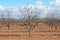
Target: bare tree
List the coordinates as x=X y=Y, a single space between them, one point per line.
x=32 y=18
x=2 y=18
x=52 y=20
x=8 y=12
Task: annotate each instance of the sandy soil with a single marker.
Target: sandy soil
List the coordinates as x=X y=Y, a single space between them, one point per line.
x=41 y=32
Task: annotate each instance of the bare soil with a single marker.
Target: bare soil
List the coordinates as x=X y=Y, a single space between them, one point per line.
x=41 y=32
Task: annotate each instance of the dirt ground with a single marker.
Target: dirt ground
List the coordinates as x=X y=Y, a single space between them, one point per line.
x=25 y=36
x=41 y=32
x=29 y=38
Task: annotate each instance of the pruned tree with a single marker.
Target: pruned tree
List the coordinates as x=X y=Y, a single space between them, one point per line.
x=8 y=11
x=31 y=16
x=51 y=17
x=2 y=19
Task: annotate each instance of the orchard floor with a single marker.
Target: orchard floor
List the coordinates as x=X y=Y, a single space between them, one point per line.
x=41 y=32
x=17 y=35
